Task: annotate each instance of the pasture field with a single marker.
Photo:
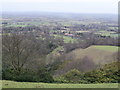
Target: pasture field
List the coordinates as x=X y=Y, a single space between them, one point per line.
x=108 y=33
x=15 y=25
x=67 y=39
x=98 y=52
x=12 y=84
x=82 y=31
x=106 y=48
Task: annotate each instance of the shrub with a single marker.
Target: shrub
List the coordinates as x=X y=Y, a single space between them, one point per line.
x=27 y=76
x=107 y=74
x=44 y=75
x=72 y=76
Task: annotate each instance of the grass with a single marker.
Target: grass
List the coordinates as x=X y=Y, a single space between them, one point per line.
x=115 y=35
x=82 y=31
x=12 y=84
x=67 y=39
x=15 y=25
x=106 y=48
x=108 y=33
x=99 y=52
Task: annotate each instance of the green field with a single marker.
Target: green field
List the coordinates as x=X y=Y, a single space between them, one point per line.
x=98 y=52
x=15 y=25
x=108 y=33
x=106 y=48
x=67 y=39
x=12 y=84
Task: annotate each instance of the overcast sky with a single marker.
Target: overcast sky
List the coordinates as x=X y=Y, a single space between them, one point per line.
x=75 y=6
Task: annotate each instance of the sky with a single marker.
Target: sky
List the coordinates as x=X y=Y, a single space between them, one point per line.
x=72 y=6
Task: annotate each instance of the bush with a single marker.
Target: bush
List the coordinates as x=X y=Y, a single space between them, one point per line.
x=72 y=76
x=8 y=74
x=108 y=74
x=44 y=75
x=47 y=78
x=27 y=76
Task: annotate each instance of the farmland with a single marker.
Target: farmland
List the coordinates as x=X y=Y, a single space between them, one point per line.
x=60 y=50
x=108 y=48
x=66 y=38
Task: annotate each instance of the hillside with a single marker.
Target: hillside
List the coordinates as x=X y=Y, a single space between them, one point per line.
x=89 y=58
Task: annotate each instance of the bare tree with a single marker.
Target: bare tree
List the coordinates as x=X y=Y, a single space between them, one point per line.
x=17 y=50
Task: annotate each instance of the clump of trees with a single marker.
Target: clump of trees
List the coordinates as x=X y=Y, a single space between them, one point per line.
x=23 y=57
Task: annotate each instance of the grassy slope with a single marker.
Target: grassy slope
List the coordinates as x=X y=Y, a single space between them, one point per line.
x=100 y=55
x=12 y=84
x=107 y=48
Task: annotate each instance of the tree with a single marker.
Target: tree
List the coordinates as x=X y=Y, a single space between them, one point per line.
x=17 y=50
